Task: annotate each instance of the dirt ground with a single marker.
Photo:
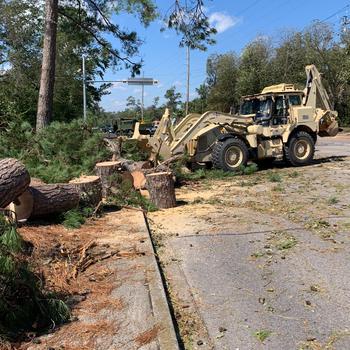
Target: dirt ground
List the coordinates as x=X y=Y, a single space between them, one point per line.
x=262 y=261
x=102 y=271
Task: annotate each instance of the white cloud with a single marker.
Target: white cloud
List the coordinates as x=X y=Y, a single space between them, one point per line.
x=221 y=21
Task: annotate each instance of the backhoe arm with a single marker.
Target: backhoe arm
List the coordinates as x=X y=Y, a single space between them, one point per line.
x=315 y=95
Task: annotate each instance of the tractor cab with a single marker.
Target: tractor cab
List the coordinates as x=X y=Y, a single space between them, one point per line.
x=272 y=106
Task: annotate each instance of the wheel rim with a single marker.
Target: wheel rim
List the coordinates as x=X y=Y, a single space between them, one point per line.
x=233 y=156
x=302 y=149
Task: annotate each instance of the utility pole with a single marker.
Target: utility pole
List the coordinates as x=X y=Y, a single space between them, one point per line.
x=84 y=89
x=142 y=98
x=345 y=21
x=188 y=78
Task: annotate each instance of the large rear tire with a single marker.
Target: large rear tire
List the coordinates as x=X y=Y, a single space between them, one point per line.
x=300 y=149
x=230 y=155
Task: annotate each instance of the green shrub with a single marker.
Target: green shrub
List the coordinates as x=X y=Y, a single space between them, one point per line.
x=73 y=219
x=274 y=177
x=131 y=150
x=57 y=153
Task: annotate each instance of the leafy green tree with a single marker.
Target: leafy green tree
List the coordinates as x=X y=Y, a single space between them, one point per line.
x=255 y=67
x=290 y=59
x=173 y=99
x=222 y=73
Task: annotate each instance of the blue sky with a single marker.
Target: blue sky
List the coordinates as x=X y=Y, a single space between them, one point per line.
x=237 y=22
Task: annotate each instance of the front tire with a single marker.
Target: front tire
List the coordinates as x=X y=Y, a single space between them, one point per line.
x=300 y=149
x=230 y=155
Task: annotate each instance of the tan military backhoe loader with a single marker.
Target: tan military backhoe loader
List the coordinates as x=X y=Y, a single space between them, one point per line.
x=279 y=123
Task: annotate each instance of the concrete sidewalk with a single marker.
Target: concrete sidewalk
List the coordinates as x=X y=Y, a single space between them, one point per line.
x=129 y=308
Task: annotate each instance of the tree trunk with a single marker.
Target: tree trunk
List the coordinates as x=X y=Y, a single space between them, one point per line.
x=161 y=189
x=90 y=190
x=112 y=175
x=47 y=80
x=14 y=180
x=53 y=199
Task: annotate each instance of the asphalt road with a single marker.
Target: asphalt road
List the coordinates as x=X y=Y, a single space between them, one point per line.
x=338 y=146
x=251 y=294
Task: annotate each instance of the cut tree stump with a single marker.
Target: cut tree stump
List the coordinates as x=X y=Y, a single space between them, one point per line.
x=90 y=190
x=112 y=175
x=22 y=206
x=107 y=172
x=14 y=180
x=161 y=189
x=53 y=199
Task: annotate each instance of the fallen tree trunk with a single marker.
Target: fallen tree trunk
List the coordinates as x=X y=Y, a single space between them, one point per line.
x=53 y=199
x=90 y=190
x=14 y=180
x=161 y=189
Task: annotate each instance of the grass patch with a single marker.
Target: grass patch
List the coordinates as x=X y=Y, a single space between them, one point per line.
x=278 y=188
x=262 y=335
x=286 y=243
x=333 y=200
x=258 y=254
x=274 y=177
x=294 y=174
x=282 y=240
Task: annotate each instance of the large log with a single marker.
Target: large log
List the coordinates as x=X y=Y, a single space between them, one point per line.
x=161 y=189
x=14 y=180
x=53 y=199
x=90 y=190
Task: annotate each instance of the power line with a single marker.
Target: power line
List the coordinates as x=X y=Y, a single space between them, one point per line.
x=336 y=13
x=248 y=7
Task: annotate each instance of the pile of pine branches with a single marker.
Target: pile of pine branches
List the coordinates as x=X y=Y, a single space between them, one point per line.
x=25 y=306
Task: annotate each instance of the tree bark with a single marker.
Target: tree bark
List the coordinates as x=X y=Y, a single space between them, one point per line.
x=53 y=199
x=161 y=189
x=90 y=190
x=14 y=180
x=47 y=80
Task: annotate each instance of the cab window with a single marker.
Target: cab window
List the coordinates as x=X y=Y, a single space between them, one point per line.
x=295 y=100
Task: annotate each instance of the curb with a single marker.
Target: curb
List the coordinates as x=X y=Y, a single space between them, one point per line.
x=167 y=335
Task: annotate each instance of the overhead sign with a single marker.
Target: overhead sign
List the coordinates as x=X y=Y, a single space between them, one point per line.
x=141 y=81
